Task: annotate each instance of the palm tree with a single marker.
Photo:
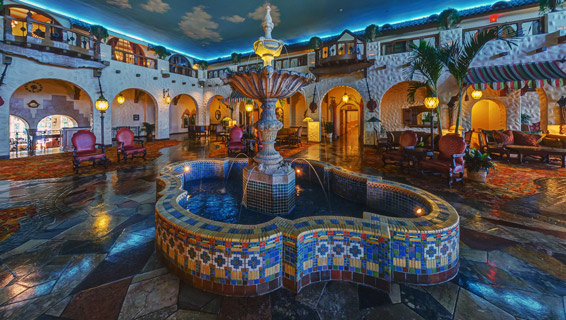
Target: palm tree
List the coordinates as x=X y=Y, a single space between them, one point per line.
x=426 y=60
x=457 y=58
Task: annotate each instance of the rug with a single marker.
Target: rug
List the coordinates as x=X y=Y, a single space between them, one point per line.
x=9 y=220
x=219 y=150
x=61 y=164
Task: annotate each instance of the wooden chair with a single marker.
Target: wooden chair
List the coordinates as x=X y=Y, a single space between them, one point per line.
x=450 y=160
x=397 y=157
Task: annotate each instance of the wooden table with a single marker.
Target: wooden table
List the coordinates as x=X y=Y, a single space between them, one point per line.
x=415 y=155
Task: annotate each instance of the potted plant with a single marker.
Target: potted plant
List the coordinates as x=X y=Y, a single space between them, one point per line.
x=478 y=165
x=448 y=18
x=160 y=51
x=329 y=129
x=149 y=129
x=371 y=33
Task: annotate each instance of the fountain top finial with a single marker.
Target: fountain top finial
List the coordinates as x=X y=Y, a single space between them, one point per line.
x=268 y=22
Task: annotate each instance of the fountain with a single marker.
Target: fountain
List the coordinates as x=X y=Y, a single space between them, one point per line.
x=346 y=226
x=270 y=181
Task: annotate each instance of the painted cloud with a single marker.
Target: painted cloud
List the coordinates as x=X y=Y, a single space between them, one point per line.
x=124 y=4
x=259 y=13
x=198 y=25
x=156 y=6
x=235 y=18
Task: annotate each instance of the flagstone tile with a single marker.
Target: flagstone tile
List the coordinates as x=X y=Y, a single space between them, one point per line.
x=284 y=306
x=151 y=274
x=250 y=308
x=423 y=303
x=103 y=302
x=470 y=306
x=79 y=267
x=159 y=314
x=195 y=315
x=339 y=301
x=394 y=311
x=446 y=294
x=150 y=295
x=59 y=307
x=370 y=297
x=311 y=294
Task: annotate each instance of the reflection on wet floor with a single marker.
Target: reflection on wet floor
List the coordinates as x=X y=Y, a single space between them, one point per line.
x=88 y=251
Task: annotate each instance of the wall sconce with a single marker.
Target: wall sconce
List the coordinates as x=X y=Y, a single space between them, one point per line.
x=166 y=96
x=120 y=99
x=477 y=94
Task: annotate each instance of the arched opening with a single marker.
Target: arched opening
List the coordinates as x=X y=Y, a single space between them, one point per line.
x=181 y=65
x=489 y=115
x=19 y=25
x=397 y=114
x=38 y=99
x=18 y=134
x=131 y=108
x=128 y=52
x=49 y=131
x=343 y=106
x=219 y=110
x=182 y=113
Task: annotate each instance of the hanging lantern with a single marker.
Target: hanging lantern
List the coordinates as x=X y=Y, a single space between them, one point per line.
x=345 y=98
x=313 y=106
x=121 y=99
x=431 y=102
x=249 y=105
x=168 y=98
x=476 y=94
x=372 y=105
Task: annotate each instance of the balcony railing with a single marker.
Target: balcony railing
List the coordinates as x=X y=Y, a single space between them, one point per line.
x=404 y=45
x=281 y=63
x=132 y=58
x=38 y=33
x=216 y=73
x=184 y=70
x=521 y=28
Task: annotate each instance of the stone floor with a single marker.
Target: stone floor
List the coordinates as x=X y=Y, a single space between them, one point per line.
x=88 y=253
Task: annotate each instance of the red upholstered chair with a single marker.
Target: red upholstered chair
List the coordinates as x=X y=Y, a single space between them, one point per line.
x=407 y=139
x=127 y=145
x=84 y=143
x=235 y=143
x=450 y=159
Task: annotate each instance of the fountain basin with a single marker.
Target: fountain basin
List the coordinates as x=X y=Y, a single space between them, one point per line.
x=249 y=260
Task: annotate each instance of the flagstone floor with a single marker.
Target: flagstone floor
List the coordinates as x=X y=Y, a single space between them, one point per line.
x=87 y=251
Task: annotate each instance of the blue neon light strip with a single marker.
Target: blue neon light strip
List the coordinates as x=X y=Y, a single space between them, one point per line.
x=33 y=3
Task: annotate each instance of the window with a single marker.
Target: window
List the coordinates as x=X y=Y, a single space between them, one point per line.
x=400 y=46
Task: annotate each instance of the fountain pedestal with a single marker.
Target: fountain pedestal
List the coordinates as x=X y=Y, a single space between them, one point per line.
x=269 y=182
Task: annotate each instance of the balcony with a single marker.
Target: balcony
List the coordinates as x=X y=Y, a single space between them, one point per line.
x=132 y=58
x=183 y=70
x=346 y=54
x=49 y=37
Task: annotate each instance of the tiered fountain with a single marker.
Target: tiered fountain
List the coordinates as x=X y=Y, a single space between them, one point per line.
x=269 y=182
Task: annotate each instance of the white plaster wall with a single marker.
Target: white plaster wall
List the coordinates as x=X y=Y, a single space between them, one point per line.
x=122 y=114
x=186 y=104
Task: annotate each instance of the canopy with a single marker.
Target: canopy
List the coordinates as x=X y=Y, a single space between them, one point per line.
x=516 y=76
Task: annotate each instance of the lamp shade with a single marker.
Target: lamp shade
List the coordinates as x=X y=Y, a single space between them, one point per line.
x=431 y=102
x=101 y=104
x=477 y=94
x=121 y=99
x=307 y=119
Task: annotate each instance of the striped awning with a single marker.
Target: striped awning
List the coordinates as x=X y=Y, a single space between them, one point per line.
x=516 y=76
x=235 y=96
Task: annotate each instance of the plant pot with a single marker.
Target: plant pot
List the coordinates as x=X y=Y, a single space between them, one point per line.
x=149 y=137
x=329 y=135
x=478 y=176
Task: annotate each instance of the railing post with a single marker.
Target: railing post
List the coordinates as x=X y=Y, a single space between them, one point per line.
x=47 y=31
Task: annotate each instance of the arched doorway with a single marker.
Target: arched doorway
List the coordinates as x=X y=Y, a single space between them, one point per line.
x=343 y=106
x=182 y=113
x=49 y=130
x=38 y=99
x=489 y=115
x=18 y=134
x=131 y=108
x=128 y=52
x=19 y=25
x=219 y=110
x=395 y=108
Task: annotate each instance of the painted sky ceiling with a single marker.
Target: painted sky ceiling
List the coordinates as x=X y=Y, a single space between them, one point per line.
x=215 y=28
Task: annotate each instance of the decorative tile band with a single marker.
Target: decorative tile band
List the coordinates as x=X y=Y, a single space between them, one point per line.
x=249 y=260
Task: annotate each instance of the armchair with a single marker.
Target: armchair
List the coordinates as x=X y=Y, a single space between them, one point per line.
x=84 y=145
x=235 y=143
x=450 y=160
x=407 y=139
x=127 y=145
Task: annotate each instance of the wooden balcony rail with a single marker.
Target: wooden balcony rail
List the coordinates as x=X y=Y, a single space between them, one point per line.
x=343 y=50
x=184 y=70
x=44 y=34
x=281 y=63
x=216 y=73
x=132 y=58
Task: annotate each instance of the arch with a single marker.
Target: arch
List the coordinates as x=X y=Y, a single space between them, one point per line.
x=36 y=99
x=489 y=114
x=219 y=110
x=394 y=101
x=139 y=106
x=344 y=122
x=298 y=107
x=181 y=109
x=56 y=122
x=180 y=60
x=18 y=127
x=126 y=51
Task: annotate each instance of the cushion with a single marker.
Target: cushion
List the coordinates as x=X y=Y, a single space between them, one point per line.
x=133 y=149
x=86 y=157
x=503 y=137
x=524 y=139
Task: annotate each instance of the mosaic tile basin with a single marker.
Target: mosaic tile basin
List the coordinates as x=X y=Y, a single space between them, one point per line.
x=249 y=260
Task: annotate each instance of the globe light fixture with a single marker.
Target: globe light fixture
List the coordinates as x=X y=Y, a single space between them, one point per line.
x=345 y=97
x=168 y=98
x=101 y=104
x=431 y=102
x=477 y=94
x=249 y=105
x=121 y=99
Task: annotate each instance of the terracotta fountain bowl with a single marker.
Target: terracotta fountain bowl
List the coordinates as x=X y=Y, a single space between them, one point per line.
x=268 y=82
